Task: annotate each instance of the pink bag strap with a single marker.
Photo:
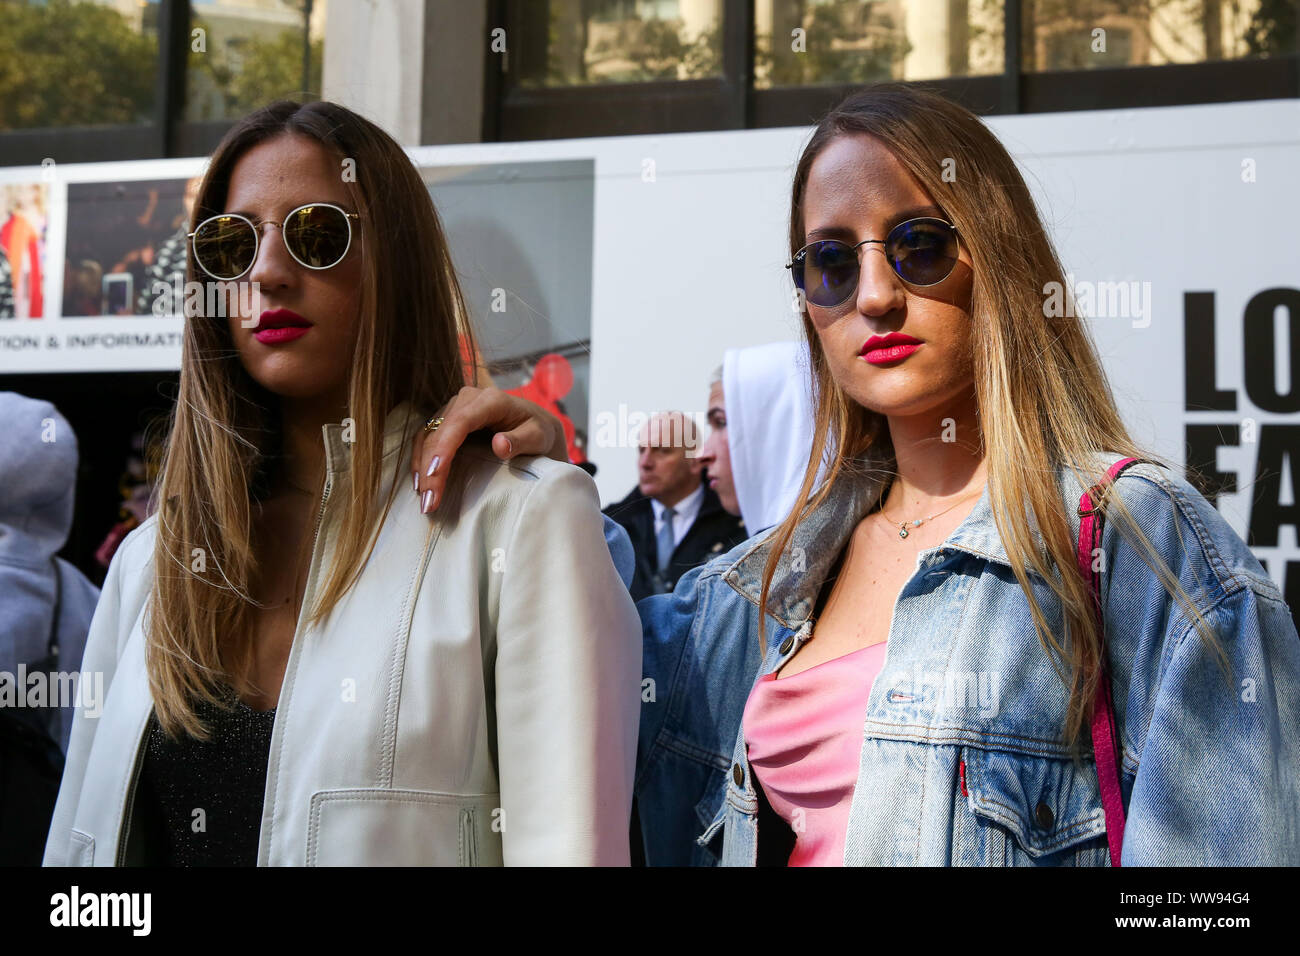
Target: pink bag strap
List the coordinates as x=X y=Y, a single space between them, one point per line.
x=1106 y=744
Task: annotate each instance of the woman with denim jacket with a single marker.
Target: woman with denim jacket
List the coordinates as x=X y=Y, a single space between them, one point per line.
x=920 y=688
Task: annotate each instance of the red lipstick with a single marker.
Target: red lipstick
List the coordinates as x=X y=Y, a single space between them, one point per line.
x=276 y=326
x=883 y=349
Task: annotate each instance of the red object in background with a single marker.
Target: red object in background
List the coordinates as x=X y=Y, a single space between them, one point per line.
x=18 y=239
x=552 y=379
x=108 y=547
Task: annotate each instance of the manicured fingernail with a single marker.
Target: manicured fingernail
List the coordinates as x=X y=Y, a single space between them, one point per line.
x=426 y=501
x=433 y=466
x=510 y=448
x=415 y=480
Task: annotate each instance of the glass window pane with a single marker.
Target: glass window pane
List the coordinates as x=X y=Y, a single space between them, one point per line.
x=77 y=62
x=1086 y=34
x=247 y=53
x=807 y=42
x=619 y=41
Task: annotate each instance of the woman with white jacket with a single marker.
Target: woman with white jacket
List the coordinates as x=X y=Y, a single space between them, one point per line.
x=296 y=672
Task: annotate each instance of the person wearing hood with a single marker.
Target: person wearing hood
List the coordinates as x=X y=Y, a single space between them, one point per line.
x=46 y=605
x=761 y=421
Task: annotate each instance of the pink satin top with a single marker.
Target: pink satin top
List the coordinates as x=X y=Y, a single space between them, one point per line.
x=804 y=734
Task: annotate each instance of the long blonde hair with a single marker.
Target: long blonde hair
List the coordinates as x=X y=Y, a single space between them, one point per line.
x=224 y=429
x=1041 y=392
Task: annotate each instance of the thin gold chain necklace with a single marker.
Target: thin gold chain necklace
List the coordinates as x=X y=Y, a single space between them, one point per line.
x=902 y=525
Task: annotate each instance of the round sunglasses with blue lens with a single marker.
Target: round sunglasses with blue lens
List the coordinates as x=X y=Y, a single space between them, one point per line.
x=922 y=251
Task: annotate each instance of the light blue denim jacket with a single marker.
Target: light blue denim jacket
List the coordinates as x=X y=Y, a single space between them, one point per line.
x=962 y=760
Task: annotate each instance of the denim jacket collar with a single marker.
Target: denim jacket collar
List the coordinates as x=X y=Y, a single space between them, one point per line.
x=819 y=539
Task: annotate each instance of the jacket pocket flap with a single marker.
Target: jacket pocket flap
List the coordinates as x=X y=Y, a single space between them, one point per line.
x=368 y=827
x=1047 y=803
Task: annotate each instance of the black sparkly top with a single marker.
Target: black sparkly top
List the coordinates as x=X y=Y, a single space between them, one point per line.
x=206 y=796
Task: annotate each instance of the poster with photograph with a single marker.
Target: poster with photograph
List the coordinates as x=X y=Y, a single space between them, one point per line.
x=123 y=239
x=522 y=240
x=23 y=221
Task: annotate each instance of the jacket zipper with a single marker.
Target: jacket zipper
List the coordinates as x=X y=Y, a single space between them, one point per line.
x=320 y=514
x=311 y=569
x=315 y=537
x=125 y=827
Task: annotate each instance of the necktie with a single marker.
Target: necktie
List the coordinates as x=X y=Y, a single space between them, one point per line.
x=664 y=541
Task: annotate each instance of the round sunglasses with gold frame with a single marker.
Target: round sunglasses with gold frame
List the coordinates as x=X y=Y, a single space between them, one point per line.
x=317 y=235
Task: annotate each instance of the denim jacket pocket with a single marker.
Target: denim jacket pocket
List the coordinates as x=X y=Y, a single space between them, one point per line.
x=1033 y=810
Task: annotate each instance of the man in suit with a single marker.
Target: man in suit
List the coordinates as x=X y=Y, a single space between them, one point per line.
x=674 y=519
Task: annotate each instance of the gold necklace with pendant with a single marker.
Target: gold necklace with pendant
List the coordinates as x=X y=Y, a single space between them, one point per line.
x=902 y=525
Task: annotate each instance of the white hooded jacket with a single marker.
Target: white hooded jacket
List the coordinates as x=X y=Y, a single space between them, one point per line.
x=768 y=395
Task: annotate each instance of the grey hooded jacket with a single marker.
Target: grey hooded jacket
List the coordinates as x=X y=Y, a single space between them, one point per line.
x=46 y=604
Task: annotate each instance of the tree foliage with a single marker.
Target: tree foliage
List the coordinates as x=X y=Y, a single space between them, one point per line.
x=266 y=69
x=73 y=64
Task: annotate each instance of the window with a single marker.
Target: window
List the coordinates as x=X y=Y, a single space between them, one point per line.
x=807 y=42
x=1088 y=34
x=98 y=80
x=247 y=53
x=577 y=42
x=582 y=68
x=1059 y=49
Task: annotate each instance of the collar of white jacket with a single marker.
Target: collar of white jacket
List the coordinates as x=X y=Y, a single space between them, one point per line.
x=399 y=425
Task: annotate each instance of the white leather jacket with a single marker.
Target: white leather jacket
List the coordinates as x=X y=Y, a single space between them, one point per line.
x=472 y=700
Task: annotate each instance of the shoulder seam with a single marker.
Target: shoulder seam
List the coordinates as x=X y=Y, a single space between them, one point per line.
x=1188 y=627
x=1228 y=581
x=512 y=464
